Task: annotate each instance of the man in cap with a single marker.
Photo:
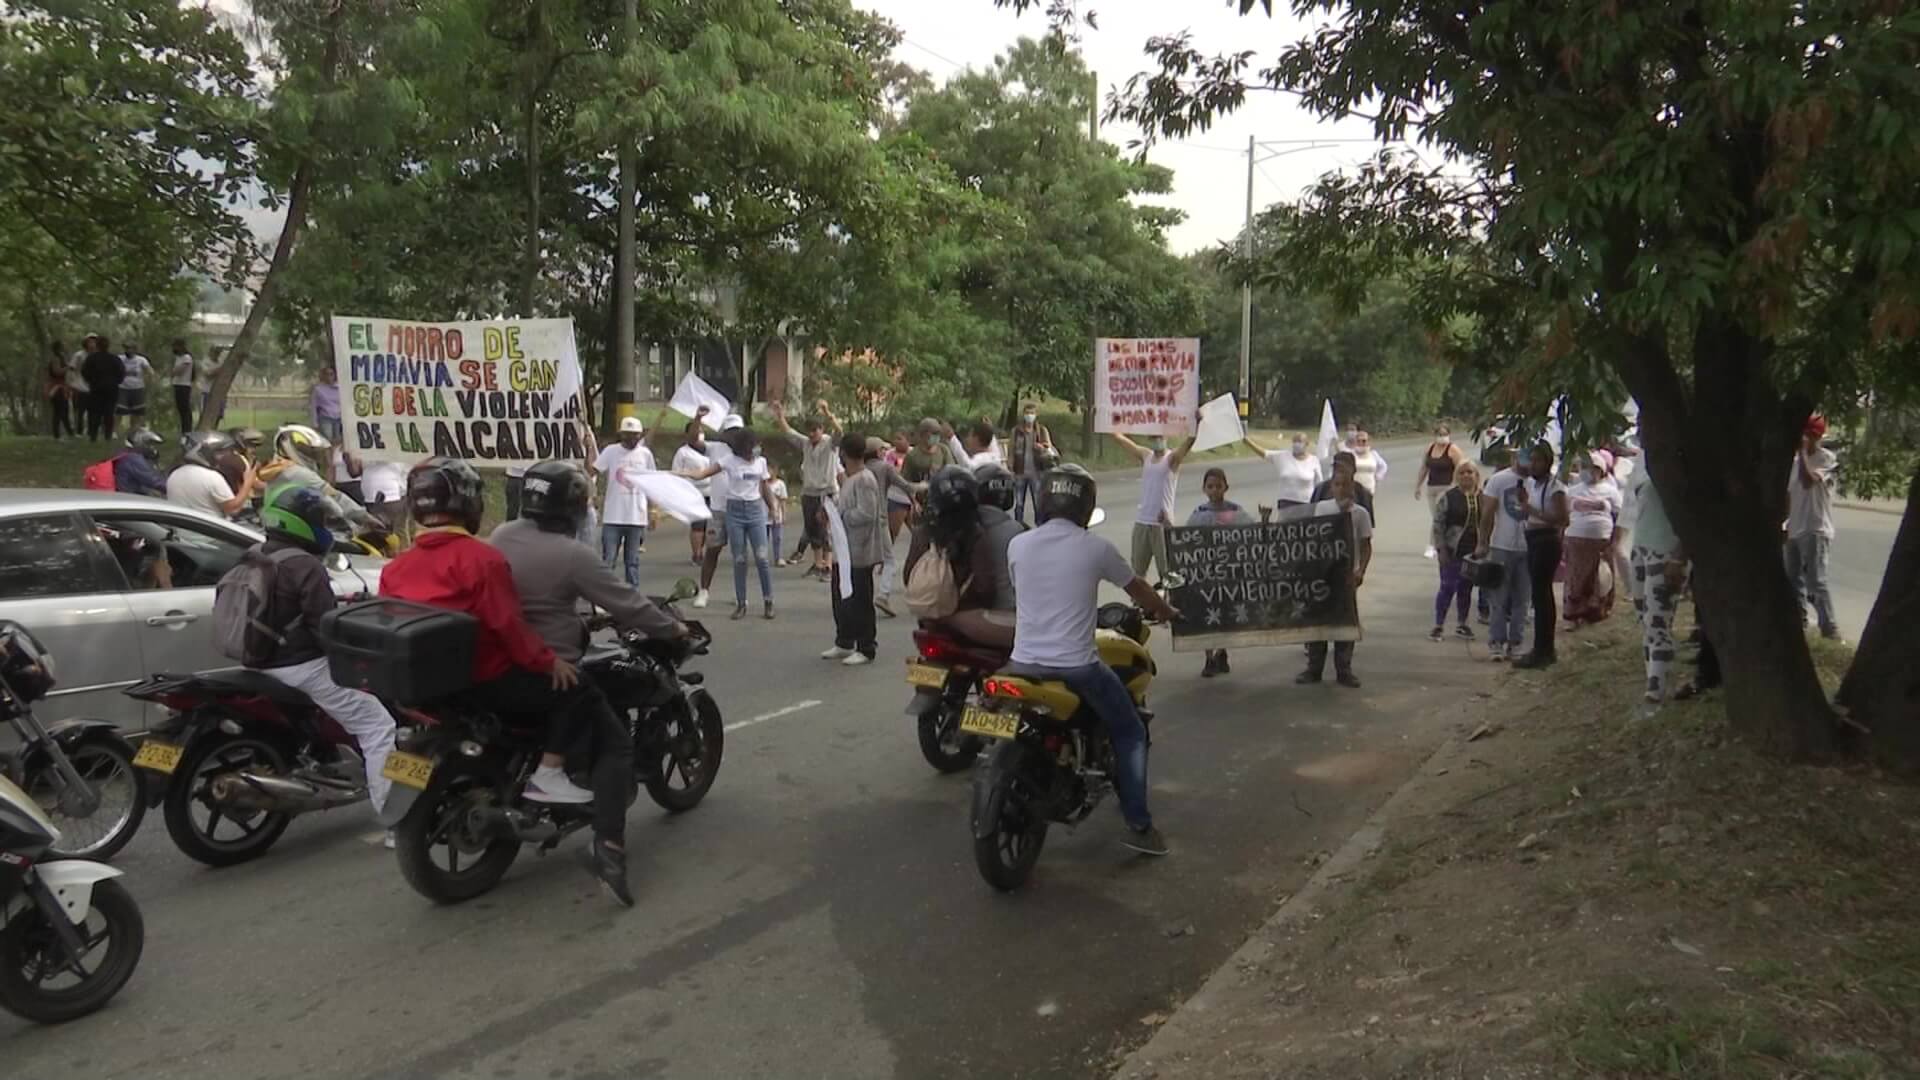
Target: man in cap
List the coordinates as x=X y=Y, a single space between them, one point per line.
x=623 y=516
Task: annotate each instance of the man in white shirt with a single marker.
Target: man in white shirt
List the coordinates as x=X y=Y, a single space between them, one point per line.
x=982 y=446
x=383 y=487
x=1159 y=484
x=199 y=482
x=1810 y=526
x=1342 y=502
x=1503 y=539
x=623 y=517
x=133 y=385
x=690 y=457
x=1057 y=568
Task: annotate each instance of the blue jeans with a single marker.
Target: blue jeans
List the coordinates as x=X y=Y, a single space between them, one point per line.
x=1027 y=486
x=1807 y=574
x=1099 y=687
x=747 y=527
x=1511 y=598
x=613 y=536
x=774 y=531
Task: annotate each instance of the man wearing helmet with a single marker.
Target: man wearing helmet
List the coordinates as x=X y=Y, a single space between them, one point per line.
x=295 y=519
x=301 y=456
x=951 y=529
x=134 y=471
x=553 y=572
x=998 y=493
x=200 y=483
x=1058 y=568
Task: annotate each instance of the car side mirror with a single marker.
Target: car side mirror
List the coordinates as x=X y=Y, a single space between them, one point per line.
x=1098 y=518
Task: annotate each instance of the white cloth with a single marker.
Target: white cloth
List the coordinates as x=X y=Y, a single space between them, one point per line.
x=1369 y=469
x=842 y=548
x=1057 y=569
x=137 y=369
x=626 y=501
x=1219 y=424
x=694 y=392
x=1298 y=476
x=1362 y=521
x=676 y=496
x=75 y=381
x=183 y=369
x=1328 y=439
x=1810 y=509
x=199 y=487
x=1590 y=522
x=383 y=478
x=356 y=710
x=687 y=459
x=1623 y=468
x=1159 y=483
x=1509 y=523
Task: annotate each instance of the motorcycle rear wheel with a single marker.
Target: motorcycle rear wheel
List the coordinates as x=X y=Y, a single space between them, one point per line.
x=1014 y=832
x=105 y=762
x=941 y=743
x=684 y=759
x=441 y=823
x=113 y=933
x=186 y=797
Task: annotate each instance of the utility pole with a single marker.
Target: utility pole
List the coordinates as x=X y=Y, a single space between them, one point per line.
x=1246 y=293
x=1086 y=420
x=619 y=401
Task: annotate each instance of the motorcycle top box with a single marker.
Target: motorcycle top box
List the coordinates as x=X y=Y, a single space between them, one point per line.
x=406 y=653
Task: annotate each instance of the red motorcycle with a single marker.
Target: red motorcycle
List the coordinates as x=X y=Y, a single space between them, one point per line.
x=242 y=754
x=945 y=677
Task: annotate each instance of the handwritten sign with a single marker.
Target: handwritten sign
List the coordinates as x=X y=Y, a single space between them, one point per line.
x=1146 y=386
x=1278 y=584
x=498 y=393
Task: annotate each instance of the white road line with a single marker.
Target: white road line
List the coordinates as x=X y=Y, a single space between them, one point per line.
x=774 y=715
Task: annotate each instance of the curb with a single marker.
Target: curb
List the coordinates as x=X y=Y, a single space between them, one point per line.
x=1871 y=508
x=1196 y=1023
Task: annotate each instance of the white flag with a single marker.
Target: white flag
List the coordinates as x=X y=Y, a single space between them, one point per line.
x=1219 y=424
x=842 y=548
x=1329 y=439
x=676 y=495
x=694 y=392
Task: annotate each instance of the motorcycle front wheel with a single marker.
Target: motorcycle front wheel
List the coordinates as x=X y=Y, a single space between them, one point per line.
x=449 y=848
x=680 y=759
x=1010 y=831
x=36 y=979
x=105 y=764
x=941 y=743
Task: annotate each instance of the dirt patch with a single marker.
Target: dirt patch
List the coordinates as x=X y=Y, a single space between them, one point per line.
x=1587 y=890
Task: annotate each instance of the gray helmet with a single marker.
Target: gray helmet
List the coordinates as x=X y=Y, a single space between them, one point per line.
x=203 y=448
x=1068 y=491
x=146 y=442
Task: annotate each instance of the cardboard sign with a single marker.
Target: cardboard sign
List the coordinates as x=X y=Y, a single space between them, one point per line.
x=1146 y=386
x=497 y=393
x=1279 y=584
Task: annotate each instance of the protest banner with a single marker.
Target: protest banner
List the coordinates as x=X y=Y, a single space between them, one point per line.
x=1279 y=584
x=1146 y=386
x=496 y=393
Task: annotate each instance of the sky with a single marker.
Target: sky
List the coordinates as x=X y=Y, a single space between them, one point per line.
x=944 y=37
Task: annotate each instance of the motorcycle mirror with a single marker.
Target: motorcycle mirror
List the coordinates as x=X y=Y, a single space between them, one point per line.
x=683 y=589
x=1099 y=517
x=338 y=561
x=1171 y=581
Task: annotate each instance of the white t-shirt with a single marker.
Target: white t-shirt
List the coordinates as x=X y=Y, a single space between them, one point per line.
x=199 y=487
x=1369 y=468
x=687 y=459
x=1362 y=521
x=1509 y=524
x=1539 y=494
x=75 y=381
x=1159 y=482
x=383 y=478
x=1057 y=569
x=625 y=503
x=1298 y=476
x=1810 y=509
x=137 y=369
x=779 y=488
x=1593 y=522
x=183 y=369
x=742 y=476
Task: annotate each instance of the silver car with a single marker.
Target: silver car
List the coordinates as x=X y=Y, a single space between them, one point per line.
x=110 y=620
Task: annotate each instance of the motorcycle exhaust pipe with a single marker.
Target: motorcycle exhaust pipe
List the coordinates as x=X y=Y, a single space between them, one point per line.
x=278 y=794
x=529 y=828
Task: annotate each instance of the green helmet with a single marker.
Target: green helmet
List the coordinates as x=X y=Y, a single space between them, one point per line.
x=299 y=516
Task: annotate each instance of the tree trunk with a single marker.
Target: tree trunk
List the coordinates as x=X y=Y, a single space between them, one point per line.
x=299 y=195
x=1882 y=688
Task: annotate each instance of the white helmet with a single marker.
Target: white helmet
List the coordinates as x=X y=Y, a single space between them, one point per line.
x=298 y=442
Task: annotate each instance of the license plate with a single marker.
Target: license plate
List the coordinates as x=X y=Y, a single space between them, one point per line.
x=409 y=769
x=994 y=725
x=926 y=675
x=159 y=756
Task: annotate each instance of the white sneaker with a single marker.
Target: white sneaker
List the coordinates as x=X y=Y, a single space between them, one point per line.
x=856 y=660
x=700 y=598
x=550 y=785
x=836 y=653
x=388 y=842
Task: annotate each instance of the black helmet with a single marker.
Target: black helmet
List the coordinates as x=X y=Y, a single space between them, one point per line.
x=26 y=664
x=446 y=487
x=299 y=516
x=146 y=442
x=952 y=492
x=997 y=486
x=203 y=448
x=1067 y=491
x=554 y=494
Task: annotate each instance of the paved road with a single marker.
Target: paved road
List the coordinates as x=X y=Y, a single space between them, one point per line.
x=819 y=915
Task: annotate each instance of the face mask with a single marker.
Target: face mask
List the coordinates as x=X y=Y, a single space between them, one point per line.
x=1157 y=444
x=1299 y=448
x=1028 y=418
x=1443 y=440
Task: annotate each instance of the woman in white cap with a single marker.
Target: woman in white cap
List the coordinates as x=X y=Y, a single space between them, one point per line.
x=623 y=518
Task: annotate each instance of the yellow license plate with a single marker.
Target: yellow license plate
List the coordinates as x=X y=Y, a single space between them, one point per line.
x=409 y=769
x=994 y=725
x=926 y=675
x=159 y=756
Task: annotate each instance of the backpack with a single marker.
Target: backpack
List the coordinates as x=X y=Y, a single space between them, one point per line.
x=245 y=626
x=932 y=592
x=99 y=475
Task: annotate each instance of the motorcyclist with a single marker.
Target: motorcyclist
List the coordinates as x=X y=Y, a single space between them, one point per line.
x=136 y=473
x=553 y=572
x=201 y=480
x=301 y=457
x=998 y=488
x=1057 y=568
x=951 y=527
x=513 y=668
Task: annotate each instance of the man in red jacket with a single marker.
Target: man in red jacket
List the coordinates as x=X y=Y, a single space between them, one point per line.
x=513 y=669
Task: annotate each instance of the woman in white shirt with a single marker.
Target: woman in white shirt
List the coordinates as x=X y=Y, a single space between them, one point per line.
x=1594 y=504
x=748 y=500
x=1298 y=468
x=133 y=385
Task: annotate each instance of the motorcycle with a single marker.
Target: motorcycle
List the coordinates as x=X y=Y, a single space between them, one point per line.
x=944 y=677
x=458 y=778
x=70 y=936
x=1054 y=762
x=239 y=756
x=79 y=772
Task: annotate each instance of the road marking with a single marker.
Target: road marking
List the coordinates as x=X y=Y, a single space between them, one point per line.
x=774 y=715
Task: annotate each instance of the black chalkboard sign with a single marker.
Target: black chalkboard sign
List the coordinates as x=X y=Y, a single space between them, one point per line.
x=1278 y=584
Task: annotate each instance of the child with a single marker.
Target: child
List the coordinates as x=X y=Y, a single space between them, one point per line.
x=1216 y=511
x=775 y=524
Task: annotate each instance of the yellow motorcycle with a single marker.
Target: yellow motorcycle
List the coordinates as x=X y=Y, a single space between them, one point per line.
x=1054 y=761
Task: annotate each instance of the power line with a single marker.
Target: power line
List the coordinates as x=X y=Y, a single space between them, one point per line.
x=949 y=61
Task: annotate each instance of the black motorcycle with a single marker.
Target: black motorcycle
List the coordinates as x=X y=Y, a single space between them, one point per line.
x=80 y=772
x=458 y=777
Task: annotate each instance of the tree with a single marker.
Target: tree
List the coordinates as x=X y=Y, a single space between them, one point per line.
x=1712 y=200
